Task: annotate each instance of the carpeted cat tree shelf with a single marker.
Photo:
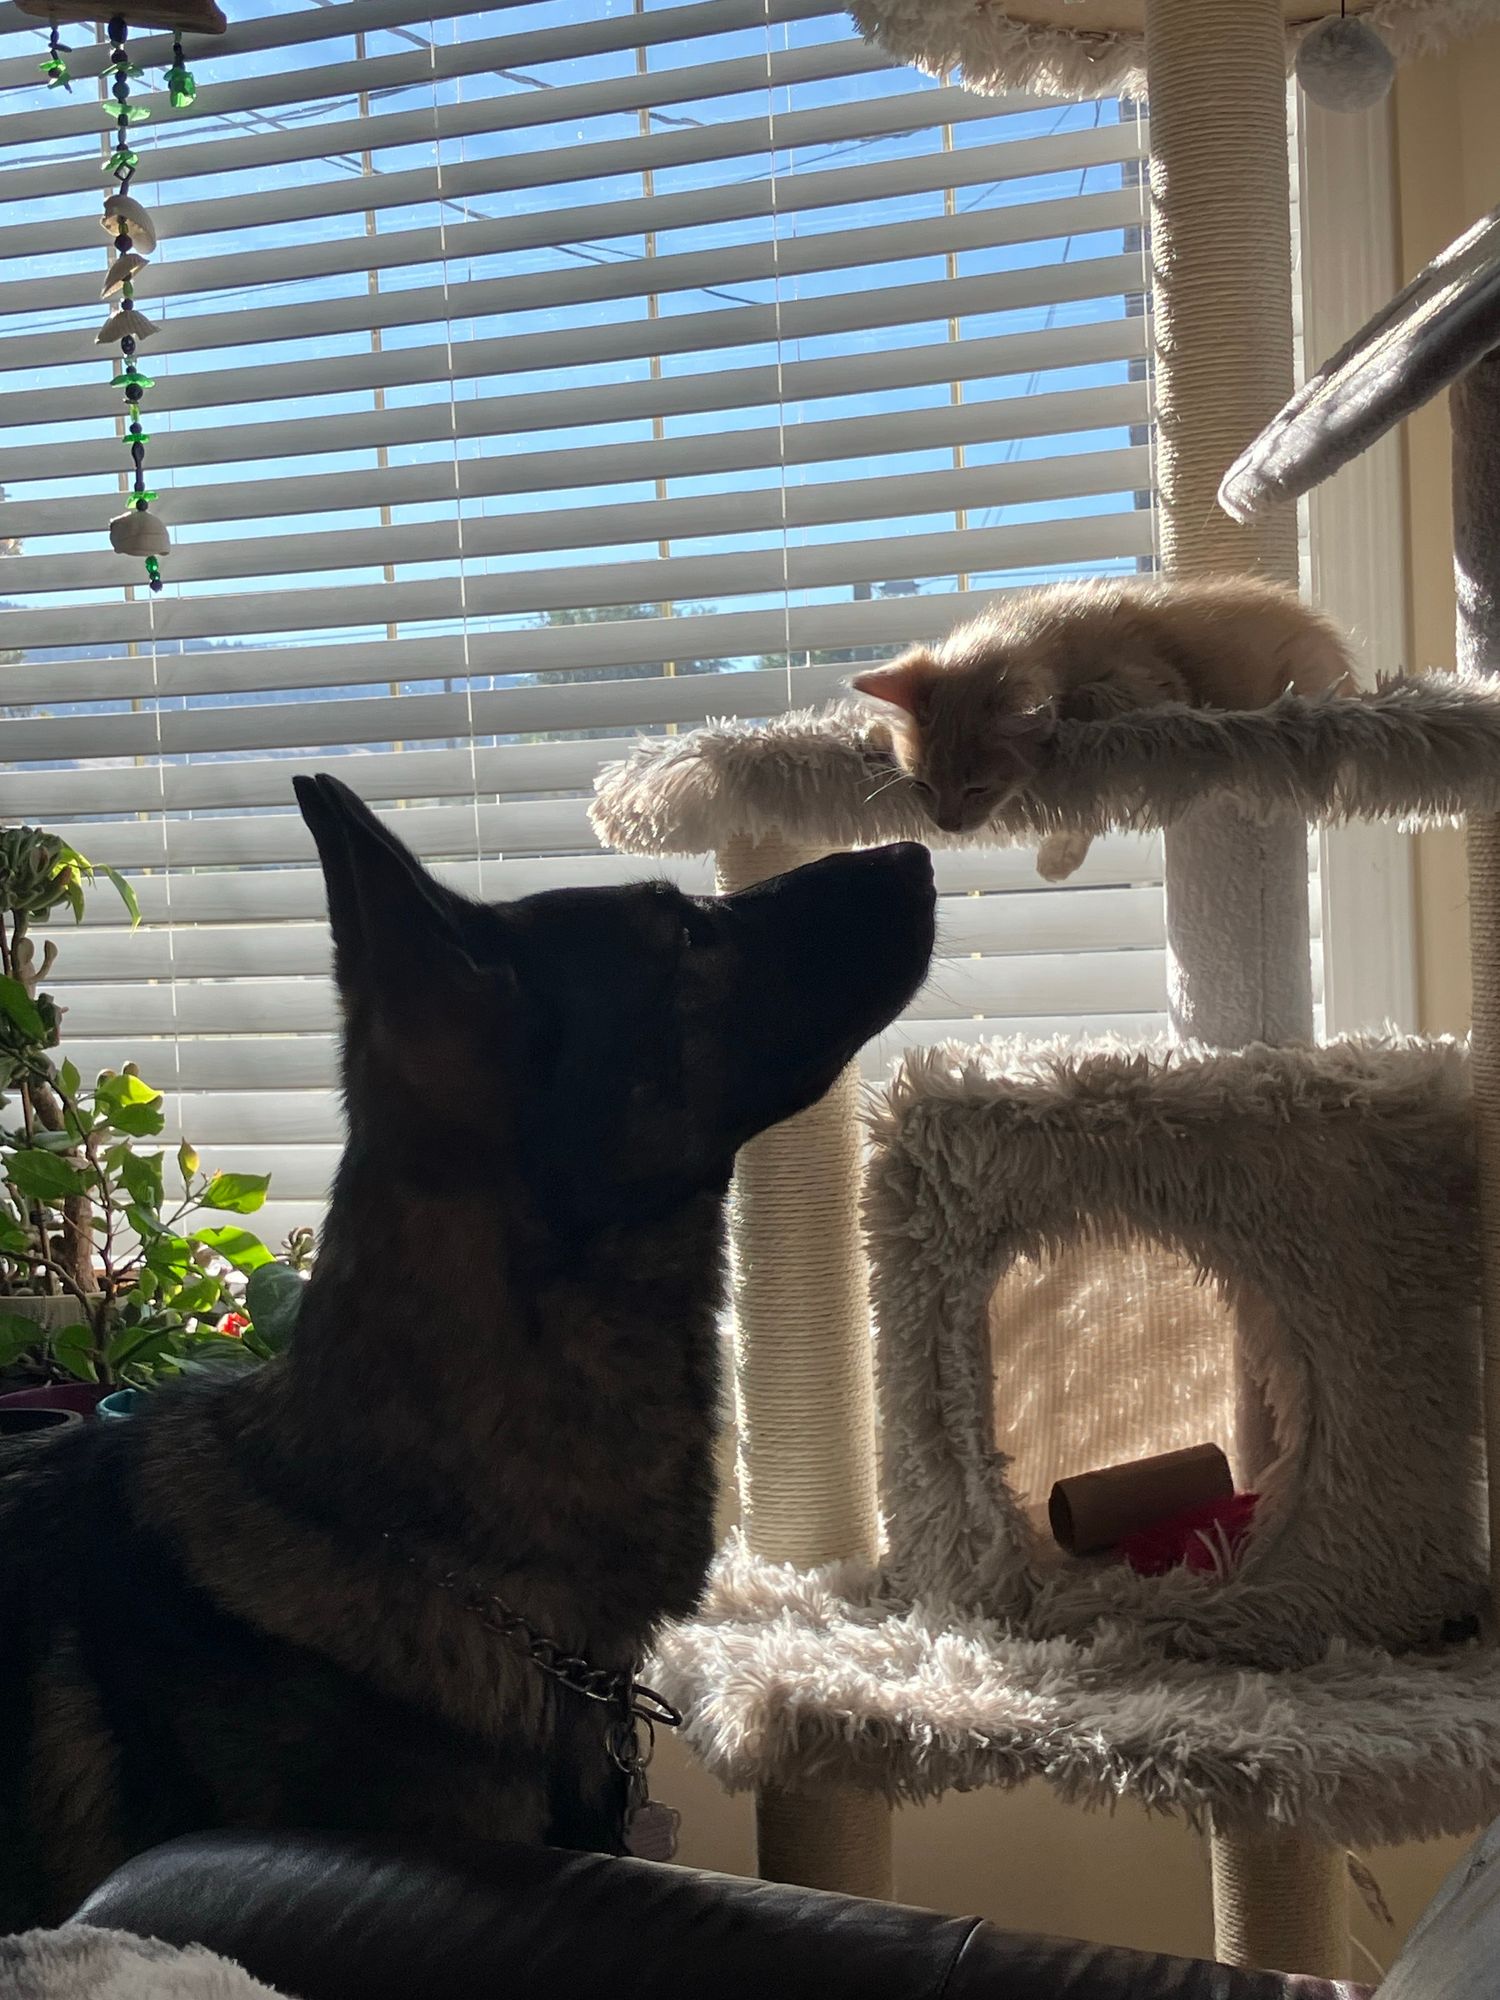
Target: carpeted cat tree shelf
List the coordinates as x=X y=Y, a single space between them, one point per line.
x=1079 y=1258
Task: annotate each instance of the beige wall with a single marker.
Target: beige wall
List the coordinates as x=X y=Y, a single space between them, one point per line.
x=1448 y=173
x=1022 y=1858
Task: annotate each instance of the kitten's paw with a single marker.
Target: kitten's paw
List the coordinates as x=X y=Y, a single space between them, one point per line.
x=1062 y=855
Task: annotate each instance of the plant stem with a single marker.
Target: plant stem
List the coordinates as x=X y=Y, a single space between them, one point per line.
x=34 y=1209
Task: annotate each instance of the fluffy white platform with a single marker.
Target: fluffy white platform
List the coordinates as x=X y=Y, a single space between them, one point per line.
x=793 y=1679
x=83 y=1964
x=1420 y=750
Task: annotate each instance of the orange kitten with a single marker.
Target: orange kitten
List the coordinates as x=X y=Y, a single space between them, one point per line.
x=970 y=716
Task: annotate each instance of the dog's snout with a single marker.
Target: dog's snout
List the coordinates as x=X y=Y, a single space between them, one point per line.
x=911 y=858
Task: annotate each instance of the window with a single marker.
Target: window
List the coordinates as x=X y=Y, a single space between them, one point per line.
x=530 y=375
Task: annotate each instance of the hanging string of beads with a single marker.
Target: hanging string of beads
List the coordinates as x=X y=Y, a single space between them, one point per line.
x=136 y=532
x=181 y=89
x=55 y=68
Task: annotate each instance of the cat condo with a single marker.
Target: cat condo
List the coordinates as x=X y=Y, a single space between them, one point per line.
x=1080 y=1258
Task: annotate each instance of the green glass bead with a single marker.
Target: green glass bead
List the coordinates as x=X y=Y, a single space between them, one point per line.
x=144 y=497
x=134 y=436
x=153 y=567
x=122 y=161
x=132 y=378
x=133 y=114
x=181 y=88
x=57 y=73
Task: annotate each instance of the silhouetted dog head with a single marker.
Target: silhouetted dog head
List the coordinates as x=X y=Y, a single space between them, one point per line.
x=600 y=1054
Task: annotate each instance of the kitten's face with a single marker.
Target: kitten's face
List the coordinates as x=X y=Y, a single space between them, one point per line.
x=968 y=733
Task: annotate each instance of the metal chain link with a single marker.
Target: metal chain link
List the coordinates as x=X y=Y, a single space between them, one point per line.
x=611 y=1687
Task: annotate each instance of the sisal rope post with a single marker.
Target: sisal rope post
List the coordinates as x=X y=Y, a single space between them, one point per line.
x=1475 y=406
x=1238 y=932
x=805 y=1401
x=1238 y=938
x=1281 y=1901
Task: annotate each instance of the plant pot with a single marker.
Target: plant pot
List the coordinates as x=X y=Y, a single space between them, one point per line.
x=121 y=1403
x=35 y=1422
x=79 y=1399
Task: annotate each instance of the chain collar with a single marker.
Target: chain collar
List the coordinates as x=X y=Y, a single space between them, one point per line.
x=636 y=1707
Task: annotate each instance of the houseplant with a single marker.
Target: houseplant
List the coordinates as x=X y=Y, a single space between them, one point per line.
x=111 y=1272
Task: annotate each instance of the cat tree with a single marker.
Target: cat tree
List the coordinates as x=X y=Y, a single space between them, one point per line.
x=1237 y=919
x=830 y=1691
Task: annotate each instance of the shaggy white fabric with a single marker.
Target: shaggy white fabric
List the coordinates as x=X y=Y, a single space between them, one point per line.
x=1419 y=750
x=1329 y=1192
x=83 y=1964
x=795 y=1679
x=995 y=51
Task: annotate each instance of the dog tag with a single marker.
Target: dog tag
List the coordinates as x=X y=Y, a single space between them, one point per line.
x=651 y=1832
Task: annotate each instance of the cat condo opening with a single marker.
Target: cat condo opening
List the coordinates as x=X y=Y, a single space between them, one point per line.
x=1271 y=1250
x=1103 y=1351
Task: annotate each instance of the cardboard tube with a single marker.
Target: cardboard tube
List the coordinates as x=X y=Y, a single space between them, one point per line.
x=1094 y=1510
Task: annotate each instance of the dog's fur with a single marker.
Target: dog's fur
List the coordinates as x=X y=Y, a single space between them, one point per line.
x=506 y=1361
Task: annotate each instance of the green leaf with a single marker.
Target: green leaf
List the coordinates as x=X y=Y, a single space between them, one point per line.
x=130 y=1105
x=236 y=1246
x=187 y=1163
x=51 y=1142
x=69 y=1079
x=273 y=1299
x=73 y=1349
x=44 y=1175
x=140 y=1174
x=14 y=1240
x=215 y=1355
x=236 y=1194
x=127 y=1345
x=169 y=1257
x=204 y=1293
x=125 y=892
x=18 y=1336
x=151 y=1347
x=18 y=1004
x=143 y=1222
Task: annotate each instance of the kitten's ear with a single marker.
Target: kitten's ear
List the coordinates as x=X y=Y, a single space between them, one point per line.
x=904 y=683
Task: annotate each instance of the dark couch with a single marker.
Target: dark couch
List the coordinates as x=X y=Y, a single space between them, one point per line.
x=328 y=1919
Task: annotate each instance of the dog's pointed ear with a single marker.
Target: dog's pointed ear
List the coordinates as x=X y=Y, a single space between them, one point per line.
x=388 y=916
x=904 y=684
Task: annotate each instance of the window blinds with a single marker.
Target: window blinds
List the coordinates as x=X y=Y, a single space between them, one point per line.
x=529 y=376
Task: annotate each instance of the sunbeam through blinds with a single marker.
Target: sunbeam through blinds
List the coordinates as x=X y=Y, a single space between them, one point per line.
x=529 y=376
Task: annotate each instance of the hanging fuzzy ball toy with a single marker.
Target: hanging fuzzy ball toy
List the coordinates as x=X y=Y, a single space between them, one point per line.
x=1343 y=65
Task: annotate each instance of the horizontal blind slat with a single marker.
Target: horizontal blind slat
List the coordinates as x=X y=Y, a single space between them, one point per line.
x=782 y=69
x=586 y=648
x=1041 y=983
x=996 y=924
x=296 y=894
x=1063 y=476
x=372 y=76
x=477 y=594
x=865 y=308
x=829 y=503
x=457 y=242
x=693 y=270
x=464 y=180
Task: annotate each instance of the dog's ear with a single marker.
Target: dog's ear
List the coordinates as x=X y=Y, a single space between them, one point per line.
x=393 y=926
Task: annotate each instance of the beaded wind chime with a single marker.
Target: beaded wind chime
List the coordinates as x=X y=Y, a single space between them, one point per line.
x=138 y=531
